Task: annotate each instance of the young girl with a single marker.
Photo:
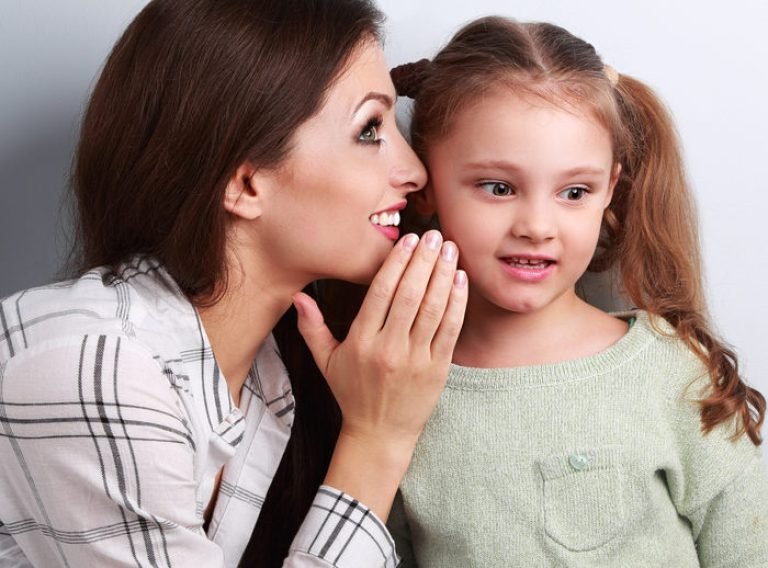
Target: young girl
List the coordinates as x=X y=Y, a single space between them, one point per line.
x=567 y=436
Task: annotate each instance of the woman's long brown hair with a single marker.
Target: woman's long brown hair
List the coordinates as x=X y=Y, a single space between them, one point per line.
x=192 y=90
x=649 y=231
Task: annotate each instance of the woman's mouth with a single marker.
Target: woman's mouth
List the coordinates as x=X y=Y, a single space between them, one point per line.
x=387 y=222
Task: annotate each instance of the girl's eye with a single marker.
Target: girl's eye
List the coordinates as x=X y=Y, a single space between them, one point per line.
x=496 y=188
x=574 y=193
x=370 y=134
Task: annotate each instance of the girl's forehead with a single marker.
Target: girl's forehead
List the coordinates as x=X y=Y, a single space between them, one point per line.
x=505 y=109
x=525 y=134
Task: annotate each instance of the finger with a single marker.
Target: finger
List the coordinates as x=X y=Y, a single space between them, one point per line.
x=312 y=327
x=378 y=300
x=435 y=300
x=413 y=285
x=450 y=327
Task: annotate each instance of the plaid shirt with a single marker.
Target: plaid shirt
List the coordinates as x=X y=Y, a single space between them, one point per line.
x=114 y=421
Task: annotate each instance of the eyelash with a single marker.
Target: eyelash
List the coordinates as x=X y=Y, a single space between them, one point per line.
x=490 y=187
x=494 y=184
x=584 y=192
x=373 y=124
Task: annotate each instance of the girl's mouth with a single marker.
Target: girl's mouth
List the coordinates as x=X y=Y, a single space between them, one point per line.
x=527 y=269
x=529 y=263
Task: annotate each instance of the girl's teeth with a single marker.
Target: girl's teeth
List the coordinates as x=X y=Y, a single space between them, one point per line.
x=530 y=263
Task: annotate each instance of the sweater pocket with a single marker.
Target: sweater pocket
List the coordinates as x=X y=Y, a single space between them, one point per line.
x=590 y=497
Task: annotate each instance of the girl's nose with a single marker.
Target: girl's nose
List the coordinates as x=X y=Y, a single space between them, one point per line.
x=535 y=222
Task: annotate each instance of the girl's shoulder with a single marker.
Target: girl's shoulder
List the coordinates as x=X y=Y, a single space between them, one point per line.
x=659 y=344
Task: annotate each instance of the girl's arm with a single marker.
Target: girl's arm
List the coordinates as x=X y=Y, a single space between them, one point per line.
x=718 y=483
x=732 y=528
x=387 y=377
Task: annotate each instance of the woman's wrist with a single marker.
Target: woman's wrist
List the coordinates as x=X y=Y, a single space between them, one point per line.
x=369 y=468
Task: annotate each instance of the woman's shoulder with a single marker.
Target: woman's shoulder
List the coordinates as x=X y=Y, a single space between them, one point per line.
x=75 y=369
x=136 y=301
x=107 y=326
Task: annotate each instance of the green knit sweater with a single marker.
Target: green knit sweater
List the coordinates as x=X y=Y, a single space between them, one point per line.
x=594 y=462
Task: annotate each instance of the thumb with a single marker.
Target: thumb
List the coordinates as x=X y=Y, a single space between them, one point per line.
x=312 y=327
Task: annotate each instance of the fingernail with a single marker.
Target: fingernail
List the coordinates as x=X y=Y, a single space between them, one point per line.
x=433 y=240
x=460 y=279
x=410 y=242
x=449 y=252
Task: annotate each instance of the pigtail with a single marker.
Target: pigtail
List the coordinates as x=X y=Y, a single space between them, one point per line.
x=652 y=227
x=409 y=77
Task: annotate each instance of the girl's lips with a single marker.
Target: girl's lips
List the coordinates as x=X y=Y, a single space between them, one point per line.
x=526 y=273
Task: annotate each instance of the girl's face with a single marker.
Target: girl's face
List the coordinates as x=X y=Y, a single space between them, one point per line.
x=521 y=185
x=348 y=174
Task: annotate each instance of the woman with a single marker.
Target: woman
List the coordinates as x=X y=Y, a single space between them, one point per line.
x=233 y=152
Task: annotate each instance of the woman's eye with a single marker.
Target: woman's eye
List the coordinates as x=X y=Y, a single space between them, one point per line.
x=574 y=193
x=370 y=134
x=496 y=188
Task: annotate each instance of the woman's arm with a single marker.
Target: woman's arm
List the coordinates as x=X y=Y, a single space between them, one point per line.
x=96 y=459
x=387 y=377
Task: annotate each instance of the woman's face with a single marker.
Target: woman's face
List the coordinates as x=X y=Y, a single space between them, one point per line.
x=334 y=209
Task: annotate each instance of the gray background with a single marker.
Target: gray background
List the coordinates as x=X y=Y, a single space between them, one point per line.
x=706 y=60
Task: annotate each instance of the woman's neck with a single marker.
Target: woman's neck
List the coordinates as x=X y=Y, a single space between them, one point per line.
x=564 y=330
x=239 y=322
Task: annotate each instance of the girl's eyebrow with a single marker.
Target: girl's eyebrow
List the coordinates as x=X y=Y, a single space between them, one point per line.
x=494 y=164
x=584 y=170
x=511 y=166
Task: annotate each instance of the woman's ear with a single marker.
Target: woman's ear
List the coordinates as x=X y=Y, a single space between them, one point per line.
x=244 y=194
x=424 y=201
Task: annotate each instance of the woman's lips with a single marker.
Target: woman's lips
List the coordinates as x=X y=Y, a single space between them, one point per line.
x=392 y=233
x=387 y=221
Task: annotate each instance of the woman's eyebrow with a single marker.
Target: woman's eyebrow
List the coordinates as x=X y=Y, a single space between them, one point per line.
x=387 y=100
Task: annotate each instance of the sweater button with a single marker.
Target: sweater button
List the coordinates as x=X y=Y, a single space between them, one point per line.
x=579 y=462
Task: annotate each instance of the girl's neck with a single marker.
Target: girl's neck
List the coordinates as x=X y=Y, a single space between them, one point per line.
x=567 y=329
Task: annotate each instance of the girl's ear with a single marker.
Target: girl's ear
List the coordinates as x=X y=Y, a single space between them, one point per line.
x=244 y=194
x=424 y=201
x=612 y=182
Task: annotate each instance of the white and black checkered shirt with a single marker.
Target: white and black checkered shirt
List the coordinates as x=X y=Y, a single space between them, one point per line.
x=114 y=421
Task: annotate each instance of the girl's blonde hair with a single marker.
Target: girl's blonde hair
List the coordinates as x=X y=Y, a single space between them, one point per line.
x=649 y=231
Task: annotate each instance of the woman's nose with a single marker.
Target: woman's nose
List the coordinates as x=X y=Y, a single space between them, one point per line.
x=408 y=174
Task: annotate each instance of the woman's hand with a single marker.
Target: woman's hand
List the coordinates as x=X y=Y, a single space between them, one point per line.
x=387 y=375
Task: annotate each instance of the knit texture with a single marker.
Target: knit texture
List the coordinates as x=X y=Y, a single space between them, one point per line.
x=599 y=461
